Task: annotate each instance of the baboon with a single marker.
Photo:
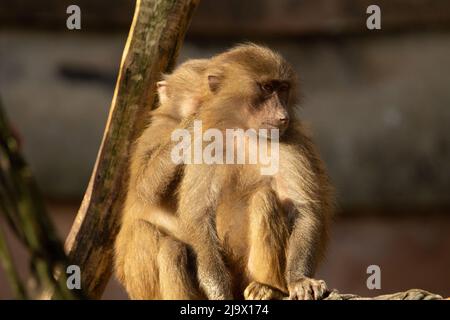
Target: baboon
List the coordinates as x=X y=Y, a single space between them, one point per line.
x=148 y=262
x=251 y=236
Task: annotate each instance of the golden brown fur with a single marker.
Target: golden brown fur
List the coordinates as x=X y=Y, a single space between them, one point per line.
x=149 y=262
x=253 y=236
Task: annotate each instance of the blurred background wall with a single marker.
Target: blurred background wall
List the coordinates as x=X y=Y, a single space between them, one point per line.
x=377 y=102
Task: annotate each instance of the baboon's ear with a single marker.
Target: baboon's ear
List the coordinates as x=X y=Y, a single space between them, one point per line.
x=213 y=82
x=161 y=87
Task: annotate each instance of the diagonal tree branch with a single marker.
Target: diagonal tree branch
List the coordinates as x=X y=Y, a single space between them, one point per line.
x=156 y=34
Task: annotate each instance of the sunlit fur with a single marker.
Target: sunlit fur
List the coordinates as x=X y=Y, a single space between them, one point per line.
x=252 y=236
x=148 y=263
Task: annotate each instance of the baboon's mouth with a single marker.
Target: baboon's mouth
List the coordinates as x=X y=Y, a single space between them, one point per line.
x=271 y=125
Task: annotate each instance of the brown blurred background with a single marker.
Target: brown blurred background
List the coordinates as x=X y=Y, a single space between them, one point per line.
x=378 y=103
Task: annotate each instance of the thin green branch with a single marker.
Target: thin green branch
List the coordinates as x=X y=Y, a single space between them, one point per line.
x=8 y=264
x=24 y=210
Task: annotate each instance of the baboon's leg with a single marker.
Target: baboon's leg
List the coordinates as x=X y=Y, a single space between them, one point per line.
x=137 y=251
x=176 y=274
x=267 y=255
x=152 y=265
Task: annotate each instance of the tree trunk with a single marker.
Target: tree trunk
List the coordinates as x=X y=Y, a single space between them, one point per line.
x=156 y=34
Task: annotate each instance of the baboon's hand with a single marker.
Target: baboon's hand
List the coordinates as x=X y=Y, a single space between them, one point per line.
x=259 y=291
x=307 y=289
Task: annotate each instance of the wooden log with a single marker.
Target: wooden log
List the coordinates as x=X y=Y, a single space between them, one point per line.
x=412 y=294
x=156 y=33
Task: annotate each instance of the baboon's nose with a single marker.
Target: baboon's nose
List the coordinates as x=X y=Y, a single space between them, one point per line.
x=284 y=121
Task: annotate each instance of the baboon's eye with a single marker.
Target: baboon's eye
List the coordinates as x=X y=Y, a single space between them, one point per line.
x=283 y=86
x=267 y=88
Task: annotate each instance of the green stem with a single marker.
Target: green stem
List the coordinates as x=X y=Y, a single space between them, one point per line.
x=25 y=211
x=10 y=270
